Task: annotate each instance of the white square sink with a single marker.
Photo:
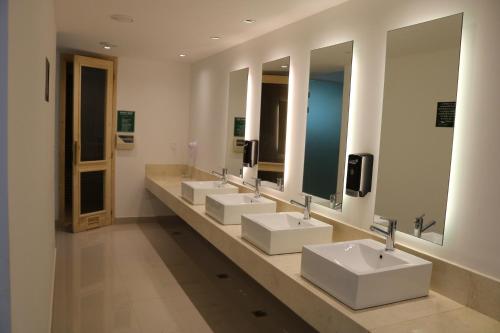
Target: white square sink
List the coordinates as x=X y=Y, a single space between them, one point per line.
x=196 y=191
x=279 y=233
x=228 y=208
x=362 y=274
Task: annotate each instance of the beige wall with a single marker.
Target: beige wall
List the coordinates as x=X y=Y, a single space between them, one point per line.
x=4 y=221
x=472 y=228
x=159 y=93
x=237 y=102
x=31 y=157
x=415 y=155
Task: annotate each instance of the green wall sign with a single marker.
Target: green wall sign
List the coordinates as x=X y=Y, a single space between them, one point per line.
x=126 y=121
x=239 y=126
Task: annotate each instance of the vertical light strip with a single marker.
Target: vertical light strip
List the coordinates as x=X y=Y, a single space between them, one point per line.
x=290 y=124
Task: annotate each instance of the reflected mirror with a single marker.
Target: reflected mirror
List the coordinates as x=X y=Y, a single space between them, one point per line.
x=273 y=119
x=417 y=126
x=235 y=132
x=327 y=120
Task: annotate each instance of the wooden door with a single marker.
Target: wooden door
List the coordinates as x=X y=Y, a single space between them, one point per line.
x=92 y=142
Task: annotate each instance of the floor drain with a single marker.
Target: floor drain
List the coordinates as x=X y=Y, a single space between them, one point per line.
x=259 y=313
x=222 y=276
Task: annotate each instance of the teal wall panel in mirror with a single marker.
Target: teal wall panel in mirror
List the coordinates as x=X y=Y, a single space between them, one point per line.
x=327 y=121
x=236 y=113
x=273 y=123
x=416 y=141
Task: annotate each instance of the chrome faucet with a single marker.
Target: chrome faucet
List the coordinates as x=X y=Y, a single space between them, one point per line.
x=390 y=233
x=420 y=226
x=280 y=184
x=306 y=205
x=222 y=175
x=333 y=201
x=256 y=187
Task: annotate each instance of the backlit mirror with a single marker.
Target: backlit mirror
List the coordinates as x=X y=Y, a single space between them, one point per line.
x=273 y=120
x=327 y=120
x=237 y=103
x=417 y=126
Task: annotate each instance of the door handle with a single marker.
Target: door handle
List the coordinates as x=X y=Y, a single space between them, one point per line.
x=75 y=152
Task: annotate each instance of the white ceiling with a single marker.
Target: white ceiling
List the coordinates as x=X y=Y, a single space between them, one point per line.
x=165 y=28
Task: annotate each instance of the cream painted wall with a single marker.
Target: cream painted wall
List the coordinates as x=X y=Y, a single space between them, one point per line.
x=4 y=217
x=472 y=228
x=159 y=93
x=31 y=132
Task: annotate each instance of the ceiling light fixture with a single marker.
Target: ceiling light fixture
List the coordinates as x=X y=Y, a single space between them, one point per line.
x=215 y=37
x=182 y=55
x=122 y=18
x=284 y=66
x=107 y=45
x=249 y=21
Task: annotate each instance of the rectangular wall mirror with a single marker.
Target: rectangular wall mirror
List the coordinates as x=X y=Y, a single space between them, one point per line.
x=236 y=113
x=273 y=120
x=417 y=126
x=327 y=120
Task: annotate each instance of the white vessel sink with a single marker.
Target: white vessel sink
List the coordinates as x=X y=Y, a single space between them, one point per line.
x=279 y=233
x=228 y=208
x=362 y=274
x=196 y=191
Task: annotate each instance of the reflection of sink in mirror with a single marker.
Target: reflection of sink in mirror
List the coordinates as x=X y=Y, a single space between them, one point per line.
x=362 y=274
x=269 y=184
x=434 y=237
x=228 y=208
x=196 y=191
x=280 y=233
x=327 y=122
x=328 y=204
x=414 y=161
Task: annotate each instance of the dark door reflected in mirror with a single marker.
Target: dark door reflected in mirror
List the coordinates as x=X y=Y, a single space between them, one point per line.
x=273 y=123
x=418 y=126
x=327 y=121
x=236 y=120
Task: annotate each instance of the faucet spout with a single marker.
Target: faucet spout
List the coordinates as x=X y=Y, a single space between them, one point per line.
x=420 y=226
x=390 y=234
x=256 y=187
x=222 y=175
x=306 y=206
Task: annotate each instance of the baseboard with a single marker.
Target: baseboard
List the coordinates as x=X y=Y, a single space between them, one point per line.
x=52 y=290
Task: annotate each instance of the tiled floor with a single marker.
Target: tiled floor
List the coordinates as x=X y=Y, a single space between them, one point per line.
x=158 y=277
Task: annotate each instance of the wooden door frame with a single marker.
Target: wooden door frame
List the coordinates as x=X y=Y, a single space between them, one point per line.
x=64 y=59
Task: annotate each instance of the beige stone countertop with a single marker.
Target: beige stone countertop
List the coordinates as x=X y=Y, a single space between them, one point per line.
x=280 y=274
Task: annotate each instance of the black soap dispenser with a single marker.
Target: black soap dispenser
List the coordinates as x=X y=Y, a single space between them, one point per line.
x=359 y=175
x=250 y=153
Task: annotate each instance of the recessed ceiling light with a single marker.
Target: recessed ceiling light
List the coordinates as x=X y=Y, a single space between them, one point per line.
x=215 y=37
x=249 y=21
x=284 y=66
x=122 y=18
x=182 y=55
x=107 y=45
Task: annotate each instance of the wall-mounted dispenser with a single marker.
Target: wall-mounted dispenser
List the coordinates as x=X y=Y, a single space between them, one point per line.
x=125 y=138
x=250 y=153
x=359 y=175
